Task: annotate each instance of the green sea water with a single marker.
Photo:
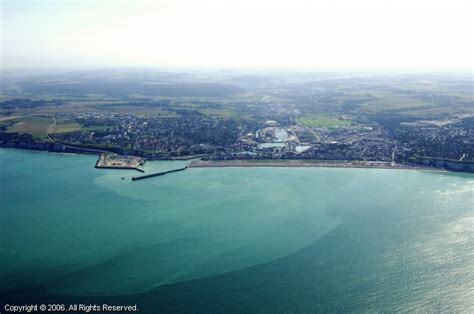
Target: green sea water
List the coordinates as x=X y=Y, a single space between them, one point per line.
x=235 y=239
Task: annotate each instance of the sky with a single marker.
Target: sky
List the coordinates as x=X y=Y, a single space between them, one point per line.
x=422 y=34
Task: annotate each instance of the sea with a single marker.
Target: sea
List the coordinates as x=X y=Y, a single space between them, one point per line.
x=234 y=240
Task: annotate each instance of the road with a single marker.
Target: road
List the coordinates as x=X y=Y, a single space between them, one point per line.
x=50 y=129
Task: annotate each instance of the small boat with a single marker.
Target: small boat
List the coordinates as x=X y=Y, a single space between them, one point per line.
x=122 y=178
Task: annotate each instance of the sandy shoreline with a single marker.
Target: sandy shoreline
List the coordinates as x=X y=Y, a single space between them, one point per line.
x=306 y=163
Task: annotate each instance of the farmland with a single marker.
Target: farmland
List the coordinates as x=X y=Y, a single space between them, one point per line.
x=322 y=120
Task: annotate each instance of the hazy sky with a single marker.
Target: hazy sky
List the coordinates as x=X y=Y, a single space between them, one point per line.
x=292 y=33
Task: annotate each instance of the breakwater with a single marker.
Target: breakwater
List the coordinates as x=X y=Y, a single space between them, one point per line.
x=124 y=168
x=158 y=174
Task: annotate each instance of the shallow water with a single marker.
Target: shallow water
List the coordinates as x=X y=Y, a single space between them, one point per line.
x=243 y=239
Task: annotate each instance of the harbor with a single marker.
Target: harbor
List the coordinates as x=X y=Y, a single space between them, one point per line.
x=114 y=161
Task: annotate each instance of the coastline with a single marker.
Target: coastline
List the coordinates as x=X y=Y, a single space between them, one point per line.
x=307 y=163
x=73 y=150
x=270 y=163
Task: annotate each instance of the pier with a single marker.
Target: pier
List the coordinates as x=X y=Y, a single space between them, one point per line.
x=158 y=174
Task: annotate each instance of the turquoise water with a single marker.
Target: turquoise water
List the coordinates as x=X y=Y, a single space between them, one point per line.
x=235 y=239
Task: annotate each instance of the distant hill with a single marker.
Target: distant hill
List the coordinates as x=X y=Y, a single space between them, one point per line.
x=120 y=88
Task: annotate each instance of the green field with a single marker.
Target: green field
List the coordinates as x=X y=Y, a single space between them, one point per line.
x=322 y=120
x=226 y=113
x=66 y=126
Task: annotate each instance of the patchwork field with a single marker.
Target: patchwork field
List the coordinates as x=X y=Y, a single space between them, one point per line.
x=38 y=126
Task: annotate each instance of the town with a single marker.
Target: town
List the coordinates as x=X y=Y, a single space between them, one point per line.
x=326 y=121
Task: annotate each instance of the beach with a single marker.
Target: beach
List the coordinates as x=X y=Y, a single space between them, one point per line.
x=306 y=163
